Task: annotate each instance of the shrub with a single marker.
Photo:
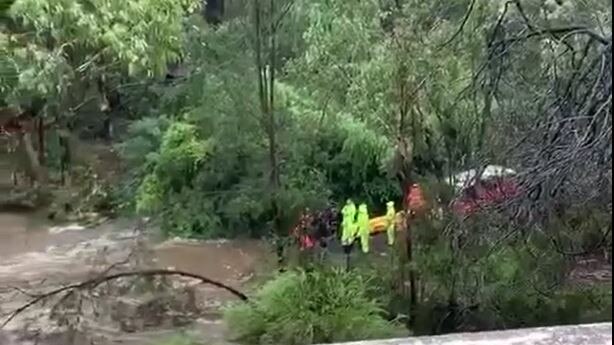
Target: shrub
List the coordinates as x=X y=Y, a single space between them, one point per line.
x=490 y=285
x=319 y=306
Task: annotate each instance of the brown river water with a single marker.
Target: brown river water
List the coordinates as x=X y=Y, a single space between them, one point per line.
x=33 y=252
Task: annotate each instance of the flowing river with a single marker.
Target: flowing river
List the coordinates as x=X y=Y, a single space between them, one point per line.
x=35 y=255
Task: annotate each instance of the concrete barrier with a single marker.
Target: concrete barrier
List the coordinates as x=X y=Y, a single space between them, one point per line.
x=590 y=334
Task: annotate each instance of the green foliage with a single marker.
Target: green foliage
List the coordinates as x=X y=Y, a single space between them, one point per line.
x=167 y=188
x=5 y=5
x=308 y=308
x=173 y=167
x=357 y=64
x=482 y=276
x=63 y=60
x=343 y=149
x=325 y=158
x=585 y=229
x=60 y=41
x=336 y=136
x=142 y=141
x=567 y=306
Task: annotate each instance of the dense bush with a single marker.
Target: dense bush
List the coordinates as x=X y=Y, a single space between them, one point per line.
x=302 y=307
x=224 y=195
x=487 y=278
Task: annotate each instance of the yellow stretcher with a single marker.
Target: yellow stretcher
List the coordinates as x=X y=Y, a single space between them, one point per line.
x=378 y=225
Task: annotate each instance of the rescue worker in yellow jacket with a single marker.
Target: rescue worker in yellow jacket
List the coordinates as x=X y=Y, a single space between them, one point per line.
x=363 y=227
x=348 y=223
x=390 y=222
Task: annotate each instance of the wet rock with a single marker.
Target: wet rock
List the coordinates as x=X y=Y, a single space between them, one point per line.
x=155 y=310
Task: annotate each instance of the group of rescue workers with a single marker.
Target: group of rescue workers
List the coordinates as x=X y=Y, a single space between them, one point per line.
x=355 y=225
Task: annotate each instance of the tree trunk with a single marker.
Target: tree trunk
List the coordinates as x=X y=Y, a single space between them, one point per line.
x=108 y=128
x=34 y=169
x=265 y=49
x=40 y=124
x=405 y=181
x=413 y=296
x=65 y=159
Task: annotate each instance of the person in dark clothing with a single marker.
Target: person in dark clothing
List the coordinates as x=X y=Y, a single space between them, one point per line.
x=325 y=225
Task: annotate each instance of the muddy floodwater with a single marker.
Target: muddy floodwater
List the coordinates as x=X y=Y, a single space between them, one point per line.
x=35 y=254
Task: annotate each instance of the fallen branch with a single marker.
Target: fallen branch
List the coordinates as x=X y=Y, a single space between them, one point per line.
x=95 y=282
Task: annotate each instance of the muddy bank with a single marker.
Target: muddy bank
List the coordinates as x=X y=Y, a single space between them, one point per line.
x=35 y=257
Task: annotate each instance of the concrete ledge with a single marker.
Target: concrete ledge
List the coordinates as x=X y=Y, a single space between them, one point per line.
x=592 y=334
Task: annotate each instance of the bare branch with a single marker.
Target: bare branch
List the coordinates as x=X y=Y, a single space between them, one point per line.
x=523 y=15
x=95 y=282
x=557 y=32
x=462 y=25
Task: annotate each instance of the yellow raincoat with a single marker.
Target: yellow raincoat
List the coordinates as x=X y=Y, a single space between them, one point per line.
x=348 y=223
x=363 y=227
x=390 y=222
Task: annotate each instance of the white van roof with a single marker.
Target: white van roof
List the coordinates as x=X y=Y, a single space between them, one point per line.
x=467 y=178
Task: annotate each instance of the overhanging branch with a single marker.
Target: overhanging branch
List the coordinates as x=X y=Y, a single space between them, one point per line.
x=97 y=281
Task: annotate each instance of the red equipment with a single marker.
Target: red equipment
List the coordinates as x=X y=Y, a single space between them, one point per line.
x=485 y=193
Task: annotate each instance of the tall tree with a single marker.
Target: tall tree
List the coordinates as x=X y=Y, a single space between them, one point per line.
x=402 y=69
x=58 y=50
x=267 y=18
